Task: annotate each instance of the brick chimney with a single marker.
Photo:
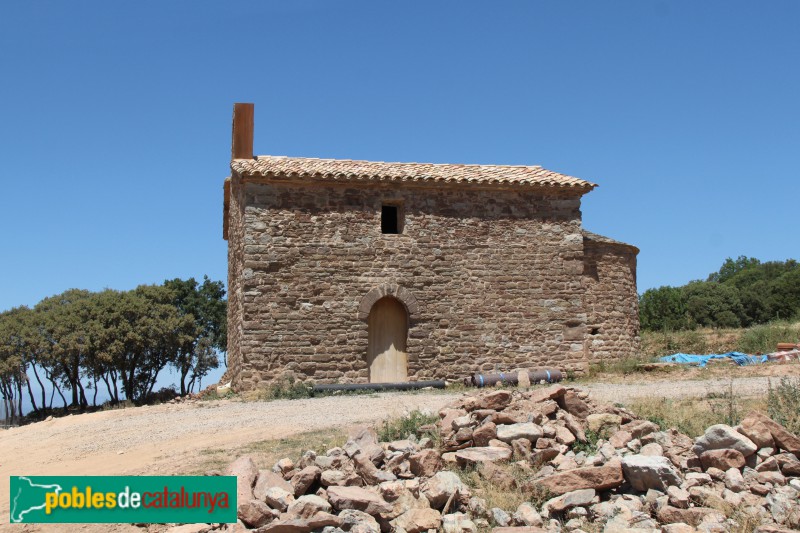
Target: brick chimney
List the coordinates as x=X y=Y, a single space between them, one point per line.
x=242 y=141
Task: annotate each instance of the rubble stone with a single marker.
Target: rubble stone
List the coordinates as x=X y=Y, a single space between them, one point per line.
x=783 y=438
x=692 y=516
x=283 y=466
x=497 y=400
x=254 y=513
x=678 y=497
x=425 y=463
x=652 y=449
x=267 y=479
x=527 y=515
x=734 y=480
x=721 y=436
x=598 y=422
x=500 y=517
x=723 y=459
x=246 y=472
x=278 y=498
x=306 y=477
x=578 y=498
x=482 y=455
x=357 y=498
x=620 y=439
x=359 y=522
x=789 y=464
x=418 y=520
x=308 y=505
x=649 y=472
x=441 y=486
x=527 y=430
x=458 y=523
x=603 y=477
x=572 y=404
x=484 y=433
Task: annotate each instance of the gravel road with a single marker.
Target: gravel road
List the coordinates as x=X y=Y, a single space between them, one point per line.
x=622 y=392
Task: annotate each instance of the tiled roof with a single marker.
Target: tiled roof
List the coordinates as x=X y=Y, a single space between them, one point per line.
x=349 y=170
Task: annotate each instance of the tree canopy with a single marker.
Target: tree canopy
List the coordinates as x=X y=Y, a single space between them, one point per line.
x=742 y=293
x=78 y=341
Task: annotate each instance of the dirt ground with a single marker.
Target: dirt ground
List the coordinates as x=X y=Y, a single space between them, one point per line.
x=189 y=438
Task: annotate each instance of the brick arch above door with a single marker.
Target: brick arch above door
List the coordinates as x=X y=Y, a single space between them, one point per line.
x=390 y=289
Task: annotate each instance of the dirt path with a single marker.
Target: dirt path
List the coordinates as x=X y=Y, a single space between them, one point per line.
x=171 y=439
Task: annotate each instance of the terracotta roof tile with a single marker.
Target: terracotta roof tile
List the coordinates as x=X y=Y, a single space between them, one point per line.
x=349 y=170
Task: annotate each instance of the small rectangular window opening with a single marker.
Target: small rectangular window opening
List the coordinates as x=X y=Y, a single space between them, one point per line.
x=390 y=219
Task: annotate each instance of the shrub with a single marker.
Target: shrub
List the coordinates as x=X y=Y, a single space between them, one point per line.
x=402 y=427
x=285 y=389
x=783 y=404
x=765 y=338
x=162 y=395
x=588 y=447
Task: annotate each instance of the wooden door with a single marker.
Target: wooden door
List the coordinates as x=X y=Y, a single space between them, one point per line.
x=386 y=355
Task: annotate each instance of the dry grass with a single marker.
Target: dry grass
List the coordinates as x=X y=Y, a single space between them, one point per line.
x=744 y=521
x=268 y=452
x=762 y=338
x=506 y=496
x=699 y=341
x=692 y=416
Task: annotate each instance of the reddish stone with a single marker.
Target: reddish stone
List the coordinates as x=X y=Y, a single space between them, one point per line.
x=425 y=463
x=574 y=405
x=782 y=437
x=482 y=434
x=497 y=400
x=603 y=477
x=692 y=516
x=550 y=393
x=722 y=459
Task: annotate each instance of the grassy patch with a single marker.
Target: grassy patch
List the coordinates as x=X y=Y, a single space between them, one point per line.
x=403 y=426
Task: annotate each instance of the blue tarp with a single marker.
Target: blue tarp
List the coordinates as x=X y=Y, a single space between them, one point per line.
x=739 y=358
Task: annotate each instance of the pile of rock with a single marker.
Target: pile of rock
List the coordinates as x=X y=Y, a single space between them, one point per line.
x=541 y=444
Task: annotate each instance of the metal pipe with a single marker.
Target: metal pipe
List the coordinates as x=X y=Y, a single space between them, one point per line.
x=406 y=385
x=550 y=375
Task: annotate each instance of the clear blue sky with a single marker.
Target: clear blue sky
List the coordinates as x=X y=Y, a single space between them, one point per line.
x=115 y=120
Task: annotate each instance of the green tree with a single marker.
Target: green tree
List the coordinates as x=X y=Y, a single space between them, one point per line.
x=63 y=327
x=12 y=361
x=713 y=304
x=141 y=331
x=206 y=305
x=663 y=308
x=731 y=268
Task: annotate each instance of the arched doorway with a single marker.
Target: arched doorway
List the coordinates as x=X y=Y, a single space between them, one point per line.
x=388 y=329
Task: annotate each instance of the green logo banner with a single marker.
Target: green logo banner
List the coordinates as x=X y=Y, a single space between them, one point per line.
x=122 y=499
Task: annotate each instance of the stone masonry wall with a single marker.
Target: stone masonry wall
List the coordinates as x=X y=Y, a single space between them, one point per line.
x=492 y=279
x=612 y=303
x=236 y=232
